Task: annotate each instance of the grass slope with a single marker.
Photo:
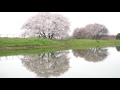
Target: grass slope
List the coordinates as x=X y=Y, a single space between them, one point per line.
x=33 y=42
x=17 y=46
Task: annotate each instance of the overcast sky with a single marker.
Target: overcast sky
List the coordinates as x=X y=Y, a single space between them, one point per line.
x=11 y=22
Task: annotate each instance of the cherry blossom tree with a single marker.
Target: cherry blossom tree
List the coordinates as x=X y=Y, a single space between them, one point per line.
x=47 y=25
x=90 y=31
x=96 y=31
x=79 y=33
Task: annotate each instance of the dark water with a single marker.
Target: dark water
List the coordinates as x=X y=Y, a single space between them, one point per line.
x=86 y=63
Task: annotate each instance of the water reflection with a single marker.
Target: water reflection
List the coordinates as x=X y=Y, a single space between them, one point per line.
x=92 y=55
x=118 y=48
x=57 y=64
x=47 y=64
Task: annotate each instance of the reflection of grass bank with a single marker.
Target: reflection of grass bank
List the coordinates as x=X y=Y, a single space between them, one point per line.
x=23 y=52
x=43 y=50
x=16 y=46
x=38 y=51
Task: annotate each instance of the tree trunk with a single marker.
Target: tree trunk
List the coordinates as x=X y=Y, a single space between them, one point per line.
x=51 y=36
x=44 y=35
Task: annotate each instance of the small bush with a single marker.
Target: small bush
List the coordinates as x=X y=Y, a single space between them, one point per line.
x=118 y=36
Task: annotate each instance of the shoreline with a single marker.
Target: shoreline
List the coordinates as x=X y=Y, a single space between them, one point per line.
x=41 y=43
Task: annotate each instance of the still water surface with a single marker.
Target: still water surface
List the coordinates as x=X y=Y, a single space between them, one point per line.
x=86 y=63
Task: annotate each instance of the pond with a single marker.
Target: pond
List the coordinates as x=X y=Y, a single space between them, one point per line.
x=80 y=63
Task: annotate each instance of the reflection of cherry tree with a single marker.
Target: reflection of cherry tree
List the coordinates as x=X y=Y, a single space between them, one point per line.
x=47 y=64
x=92 y=55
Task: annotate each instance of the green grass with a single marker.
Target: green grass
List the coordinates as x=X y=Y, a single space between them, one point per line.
x=27 y=43
x=94 y=42
x=20 y=46
x=22 y=42
x=42 y=50
x=18 y=42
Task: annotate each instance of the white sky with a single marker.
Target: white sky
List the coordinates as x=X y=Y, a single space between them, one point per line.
x=11 y=22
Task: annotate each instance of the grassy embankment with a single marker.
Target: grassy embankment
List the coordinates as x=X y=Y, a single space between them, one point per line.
x=16 y=46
